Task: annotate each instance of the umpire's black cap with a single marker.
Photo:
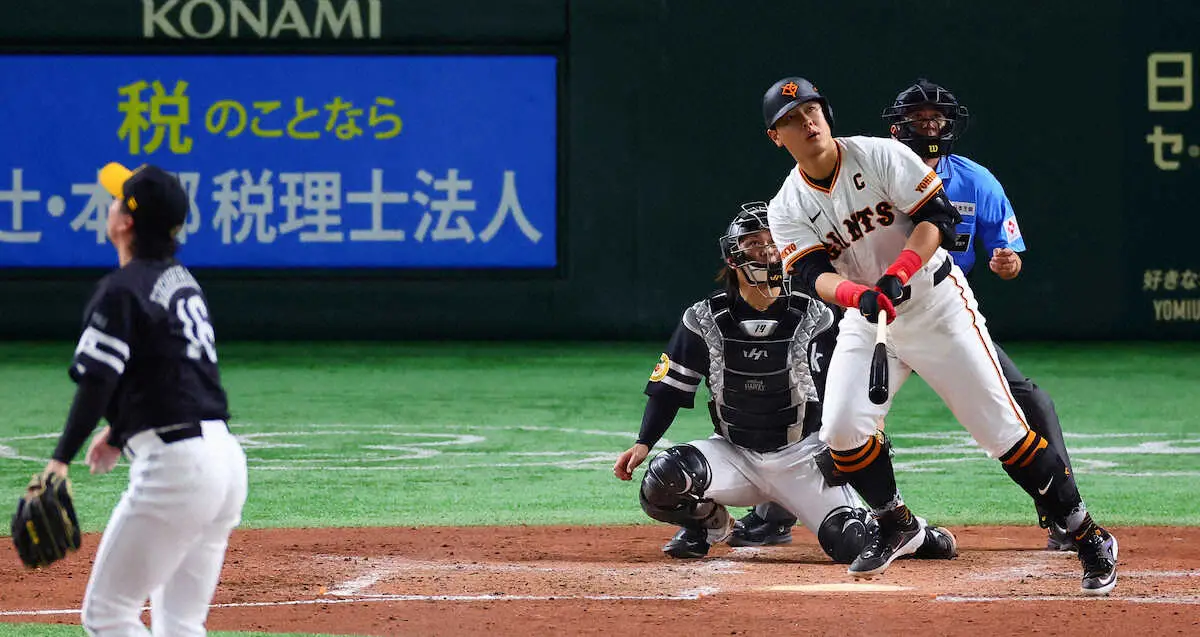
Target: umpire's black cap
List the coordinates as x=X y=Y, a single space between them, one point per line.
x=154 y=197
x=787 y=94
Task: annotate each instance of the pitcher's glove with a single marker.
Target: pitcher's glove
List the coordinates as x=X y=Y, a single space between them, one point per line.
x=45 y=528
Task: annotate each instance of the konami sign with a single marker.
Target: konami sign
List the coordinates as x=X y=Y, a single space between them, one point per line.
x=268 y=19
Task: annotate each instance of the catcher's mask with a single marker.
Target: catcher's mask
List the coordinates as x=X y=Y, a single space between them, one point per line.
x=905 y=127
x=745 y=247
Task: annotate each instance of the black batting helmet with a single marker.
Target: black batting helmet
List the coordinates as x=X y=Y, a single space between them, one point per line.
x=926 y=94
x=751 y=219
x=789 y=93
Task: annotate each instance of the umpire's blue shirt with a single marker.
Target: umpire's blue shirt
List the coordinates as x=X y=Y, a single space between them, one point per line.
x=986 y=212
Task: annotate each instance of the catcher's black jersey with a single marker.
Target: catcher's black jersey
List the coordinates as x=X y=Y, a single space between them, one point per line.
x=765 y=370
x=147 y=326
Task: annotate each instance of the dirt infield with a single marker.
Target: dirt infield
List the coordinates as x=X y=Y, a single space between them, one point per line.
x=615 y=580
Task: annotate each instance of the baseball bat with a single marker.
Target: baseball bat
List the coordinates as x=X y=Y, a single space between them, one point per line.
x=877 y=388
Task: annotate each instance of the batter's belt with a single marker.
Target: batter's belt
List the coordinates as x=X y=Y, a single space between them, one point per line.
x=939 y=275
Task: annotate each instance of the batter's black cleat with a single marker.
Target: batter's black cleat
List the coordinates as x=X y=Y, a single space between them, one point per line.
x=895 y=540
x=1098 y=554
x=939 y=544
x=1059 y=539
x=688 y=544
x=752 y=530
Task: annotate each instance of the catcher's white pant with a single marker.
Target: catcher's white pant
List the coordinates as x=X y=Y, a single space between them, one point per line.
x=790 y=476
x=940 y=334
x=166 y=539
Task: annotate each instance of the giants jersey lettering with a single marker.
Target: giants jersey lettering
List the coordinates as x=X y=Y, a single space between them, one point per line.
x=862 y=219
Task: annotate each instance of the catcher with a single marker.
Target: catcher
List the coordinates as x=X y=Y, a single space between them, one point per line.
x=147 y=363
x=763 y=354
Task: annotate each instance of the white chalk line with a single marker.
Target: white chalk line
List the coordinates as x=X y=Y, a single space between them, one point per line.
x=375 y=570
x=1191 y=600
x=449 y=449
x=688 y=595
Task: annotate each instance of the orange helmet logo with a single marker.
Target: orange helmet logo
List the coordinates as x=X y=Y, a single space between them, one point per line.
x=790 y=89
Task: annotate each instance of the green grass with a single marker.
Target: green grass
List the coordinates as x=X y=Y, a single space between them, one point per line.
x=423 y=434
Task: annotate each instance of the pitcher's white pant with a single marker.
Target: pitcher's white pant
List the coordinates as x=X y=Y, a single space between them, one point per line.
x=941 y=335
x=166 y=539
x=790 y=476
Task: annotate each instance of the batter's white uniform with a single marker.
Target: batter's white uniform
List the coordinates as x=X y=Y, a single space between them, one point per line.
x=862 y=221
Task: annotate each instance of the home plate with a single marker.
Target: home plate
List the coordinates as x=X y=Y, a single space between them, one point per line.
x=839 y=587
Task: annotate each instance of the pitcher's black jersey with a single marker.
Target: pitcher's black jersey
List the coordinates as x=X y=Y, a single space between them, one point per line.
x=148 y=328
x=765 y=370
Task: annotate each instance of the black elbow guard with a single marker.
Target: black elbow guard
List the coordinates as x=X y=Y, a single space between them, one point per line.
x=940 y=212
x=807 y=268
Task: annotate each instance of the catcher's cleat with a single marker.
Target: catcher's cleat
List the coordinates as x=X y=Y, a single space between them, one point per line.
x=752 y=530
x=688 y=544
x=939 y=544
x=1098 y=554
x=895 y=539
x=691 y=543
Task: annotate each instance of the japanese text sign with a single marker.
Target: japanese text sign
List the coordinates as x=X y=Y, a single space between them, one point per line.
x=290 y=161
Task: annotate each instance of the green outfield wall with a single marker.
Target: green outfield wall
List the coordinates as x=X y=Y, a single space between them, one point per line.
x=1085 y=111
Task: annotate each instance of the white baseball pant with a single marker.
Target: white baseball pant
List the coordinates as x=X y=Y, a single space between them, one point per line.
x=167 y=536
x=940 y=334
x=789 y=476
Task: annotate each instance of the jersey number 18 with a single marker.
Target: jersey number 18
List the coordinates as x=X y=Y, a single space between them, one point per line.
x=199 y=332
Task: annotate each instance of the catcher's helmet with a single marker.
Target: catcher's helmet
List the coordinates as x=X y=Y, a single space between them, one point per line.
x=789 y=93
x=927 y=94
x=748 y=259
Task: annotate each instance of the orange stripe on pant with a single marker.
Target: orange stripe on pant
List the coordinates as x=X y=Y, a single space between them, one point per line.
x=999 y=374
x=859 y=460
x=1042 y=444
x=1025 y=444
x=851 y=457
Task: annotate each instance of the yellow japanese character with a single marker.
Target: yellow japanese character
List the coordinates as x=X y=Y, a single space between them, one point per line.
x=349 y=129
x=264 y=108
x=1170 y=280
x=1188 y=280
x=135 y=119
x=302 y=115
x=217 y=117
x=391 y=118
x=172 y=120
x=1151 y=279
x=141 y=116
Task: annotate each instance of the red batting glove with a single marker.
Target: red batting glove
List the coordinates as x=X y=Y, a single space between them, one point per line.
x=905 y=266
x=848 y=293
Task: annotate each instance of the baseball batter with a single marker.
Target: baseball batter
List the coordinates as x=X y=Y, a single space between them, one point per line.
x=147 y=362
x=863 y=209
x=761 y=354
x=929 y=119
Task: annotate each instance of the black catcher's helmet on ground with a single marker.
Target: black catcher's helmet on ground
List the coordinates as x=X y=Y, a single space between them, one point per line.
x=789 y=93
x=926 y=94
x=752 y=258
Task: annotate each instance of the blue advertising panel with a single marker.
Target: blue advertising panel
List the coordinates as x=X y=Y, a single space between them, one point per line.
x=383 y=161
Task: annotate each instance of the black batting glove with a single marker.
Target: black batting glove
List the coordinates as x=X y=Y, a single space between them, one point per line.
x=871 y=302
x=890 y=286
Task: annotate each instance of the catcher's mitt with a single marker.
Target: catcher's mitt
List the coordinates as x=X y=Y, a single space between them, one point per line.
x=44 y=527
